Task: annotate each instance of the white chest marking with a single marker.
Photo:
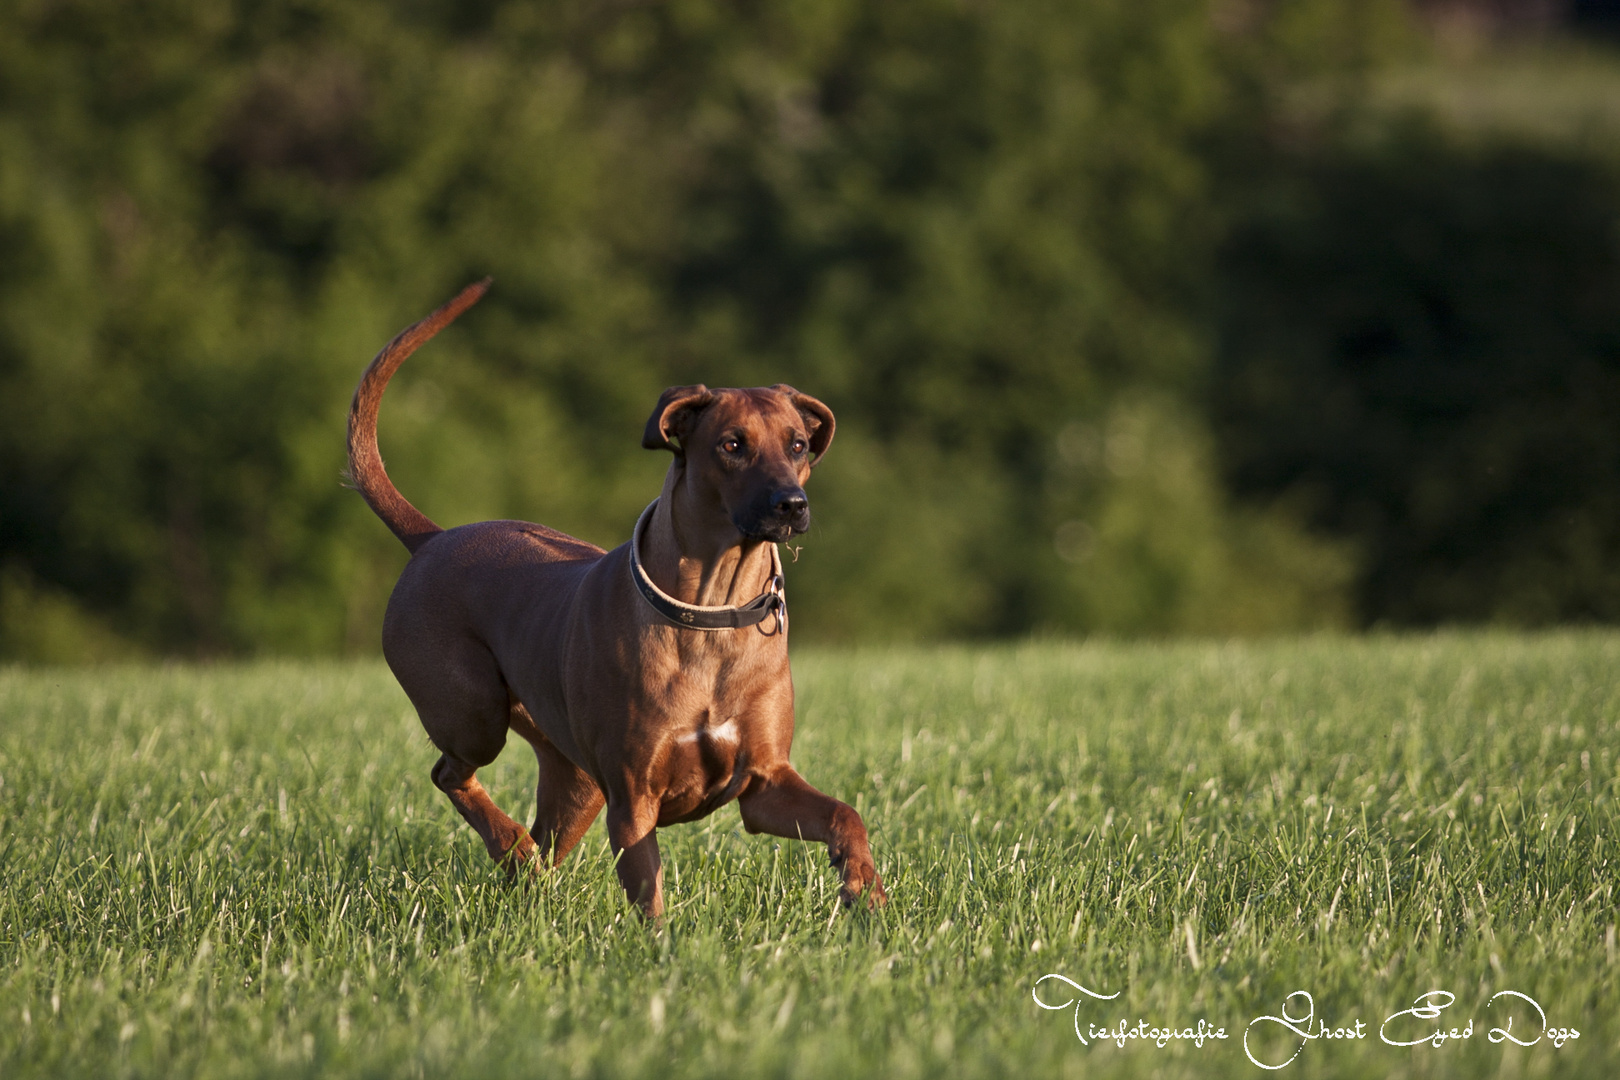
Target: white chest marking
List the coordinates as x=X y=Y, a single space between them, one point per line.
x=726 y=732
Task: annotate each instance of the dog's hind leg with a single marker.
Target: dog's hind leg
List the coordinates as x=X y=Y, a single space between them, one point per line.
x=462 y=701
x=508 y=842
x=566 y=799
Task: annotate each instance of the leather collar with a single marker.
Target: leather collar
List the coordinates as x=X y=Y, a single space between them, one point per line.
x=772 y=601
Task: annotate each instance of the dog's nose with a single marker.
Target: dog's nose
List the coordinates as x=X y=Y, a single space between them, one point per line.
x=790 y=502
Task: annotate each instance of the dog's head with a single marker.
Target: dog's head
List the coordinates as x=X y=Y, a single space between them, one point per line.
x=748 y=451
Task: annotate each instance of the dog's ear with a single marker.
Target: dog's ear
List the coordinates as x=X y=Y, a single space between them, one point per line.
x=673 y=416
x=818 y=420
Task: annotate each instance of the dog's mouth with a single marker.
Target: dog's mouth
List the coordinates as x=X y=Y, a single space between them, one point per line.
x=775 y=529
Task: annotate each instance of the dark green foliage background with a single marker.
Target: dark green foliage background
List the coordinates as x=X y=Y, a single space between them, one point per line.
x=1423 y=340
x=1028 y=253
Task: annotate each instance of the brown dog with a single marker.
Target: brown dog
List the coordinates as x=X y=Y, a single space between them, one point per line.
x=653 y=677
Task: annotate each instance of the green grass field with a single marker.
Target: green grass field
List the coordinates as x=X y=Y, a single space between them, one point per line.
x=244 y=871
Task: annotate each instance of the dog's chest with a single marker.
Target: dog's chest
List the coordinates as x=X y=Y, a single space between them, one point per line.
x=706 y=768
x=719 y=715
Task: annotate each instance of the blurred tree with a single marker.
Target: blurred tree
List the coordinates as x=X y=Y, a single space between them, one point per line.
x=978 y=232
x=1421 y=343
x=972 y=231
x=212 y=216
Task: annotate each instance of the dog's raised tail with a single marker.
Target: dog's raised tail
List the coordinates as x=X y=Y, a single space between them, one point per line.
x=366 y=473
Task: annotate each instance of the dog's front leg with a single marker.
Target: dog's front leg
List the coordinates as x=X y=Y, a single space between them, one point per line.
x=786 y=805
x=632 y=830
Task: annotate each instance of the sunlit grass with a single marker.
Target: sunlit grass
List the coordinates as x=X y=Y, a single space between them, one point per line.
x=244 y=871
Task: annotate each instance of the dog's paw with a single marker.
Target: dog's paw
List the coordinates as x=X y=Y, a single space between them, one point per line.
x=863 y=890
x=521 y=859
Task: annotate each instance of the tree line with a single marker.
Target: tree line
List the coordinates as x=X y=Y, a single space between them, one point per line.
x=1124 y=334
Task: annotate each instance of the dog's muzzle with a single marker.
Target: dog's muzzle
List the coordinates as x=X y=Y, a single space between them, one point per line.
x=779 y=517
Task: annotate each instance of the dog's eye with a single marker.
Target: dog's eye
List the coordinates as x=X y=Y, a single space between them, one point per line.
x=730 y=446
x=798 y=447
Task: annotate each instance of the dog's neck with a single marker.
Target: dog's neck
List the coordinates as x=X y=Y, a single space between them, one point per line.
x=694 y=553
